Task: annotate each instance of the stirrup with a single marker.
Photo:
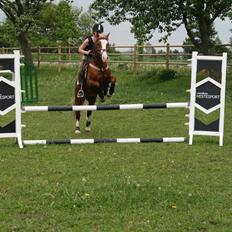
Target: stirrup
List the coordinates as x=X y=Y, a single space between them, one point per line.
x=80 y=93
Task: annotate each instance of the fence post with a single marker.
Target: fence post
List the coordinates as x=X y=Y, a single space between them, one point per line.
x=135 y=57
x=167 y=55
x=38 y=56
x=59 y=58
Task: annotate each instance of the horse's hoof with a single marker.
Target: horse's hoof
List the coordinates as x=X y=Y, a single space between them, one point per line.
x=87 y=129
x=102 y=99
x=77 y=131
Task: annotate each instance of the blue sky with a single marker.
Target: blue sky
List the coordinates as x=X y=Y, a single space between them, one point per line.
x=121 y=35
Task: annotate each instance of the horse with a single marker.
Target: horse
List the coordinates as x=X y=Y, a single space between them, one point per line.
x=98 y=80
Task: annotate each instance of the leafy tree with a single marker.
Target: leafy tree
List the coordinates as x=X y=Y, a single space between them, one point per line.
x=44 y=26
x=7 y=35
x=230 y=16
x=219 y=48
x=175 y=51
x=85 y=23
x=66 y=22
x=54 y=24
x=21 y=13
x=190 y=47
x=149 y=49
x=61 y=24
x=166 y=16
x=57 y=24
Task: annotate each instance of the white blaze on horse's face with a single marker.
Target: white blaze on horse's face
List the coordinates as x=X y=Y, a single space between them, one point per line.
x=104 y=54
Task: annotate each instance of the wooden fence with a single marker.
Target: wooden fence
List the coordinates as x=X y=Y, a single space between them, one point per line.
x=134 y=56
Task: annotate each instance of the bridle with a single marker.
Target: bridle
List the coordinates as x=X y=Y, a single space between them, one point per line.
x=102 y=54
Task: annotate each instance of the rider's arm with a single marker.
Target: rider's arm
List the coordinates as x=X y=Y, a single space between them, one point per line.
x=81 y=49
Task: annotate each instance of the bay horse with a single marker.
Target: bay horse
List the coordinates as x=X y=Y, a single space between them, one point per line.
x=98 y=80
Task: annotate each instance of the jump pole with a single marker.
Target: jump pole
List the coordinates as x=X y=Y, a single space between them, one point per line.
x=118 y=140
x=106 y=107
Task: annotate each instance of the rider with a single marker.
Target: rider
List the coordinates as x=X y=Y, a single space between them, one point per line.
x=85 y=49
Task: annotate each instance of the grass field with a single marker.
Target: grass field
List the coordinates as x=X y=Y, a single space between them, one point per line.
x=117 y=187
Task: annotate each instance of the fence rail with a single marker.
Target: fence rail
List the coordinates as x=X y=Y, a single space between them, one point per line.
x=136 y=55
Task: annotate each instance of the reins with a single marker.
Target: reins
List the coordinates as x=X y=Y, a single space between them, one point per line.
x=99 y=69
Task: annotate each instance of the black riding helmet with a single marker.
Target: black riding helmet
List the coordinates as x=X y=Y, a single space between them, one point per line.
x=98 y=28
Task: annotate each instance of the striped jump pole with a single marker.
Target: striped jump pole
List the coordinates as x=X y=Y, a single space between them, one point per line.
x=106 y=107
x=118 y=140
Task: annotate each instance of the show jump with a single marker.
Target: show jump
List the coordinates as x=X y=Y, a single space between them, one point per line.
x=206 y=95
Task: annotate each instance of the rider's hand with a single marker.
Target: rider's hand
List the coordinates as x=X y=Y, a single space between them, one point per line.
x=88 y=52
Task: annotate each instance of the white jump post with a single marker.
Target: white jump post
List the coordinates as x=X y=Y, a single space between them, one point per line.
x=10 y=95
x=207 y=95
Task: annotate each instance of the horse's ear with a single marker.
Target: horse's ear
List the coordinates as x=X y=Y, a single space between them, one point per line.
x=107 y=36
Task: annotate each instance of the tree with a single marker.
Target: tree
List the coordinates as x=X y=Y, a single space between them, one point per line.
x=7 y=34
x=57 y=24
x=53 y=24
x=219 y=48
x=149 y=49
x=85 y=23
x=166 y=16
x=61 y=24
x=188 y=46
x=22 y=13
x=44 y=27
x=66 y=22
x=230 y=16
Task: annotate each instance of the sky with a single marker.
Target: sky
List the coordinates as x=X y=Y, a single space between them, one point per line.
x=120 y=35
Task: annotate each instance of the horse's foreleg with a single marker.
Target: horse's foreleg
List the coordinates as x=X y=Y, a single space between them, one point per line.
x=101 y=94
x=88 y=122
x=78 y=101
x=78 y=116
x=111 y=87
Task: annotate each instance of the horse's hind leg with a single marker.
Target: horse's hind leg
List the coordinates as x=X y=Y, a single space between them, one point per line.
x=88 y=122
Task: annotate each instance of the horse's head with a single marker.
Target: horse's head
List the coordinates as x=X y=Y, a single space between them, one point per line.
x=101 y=47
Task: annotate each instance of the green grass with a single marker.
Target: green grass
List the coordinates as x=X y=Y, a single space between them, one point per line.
x=116 y=187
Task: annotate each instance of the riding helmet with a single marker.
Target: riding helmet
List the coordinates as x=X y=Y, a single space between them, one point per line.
x=98 y=28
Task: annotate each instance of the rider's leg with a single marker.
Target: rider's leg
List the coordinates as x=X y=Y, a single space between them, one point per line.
x=80 y=77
